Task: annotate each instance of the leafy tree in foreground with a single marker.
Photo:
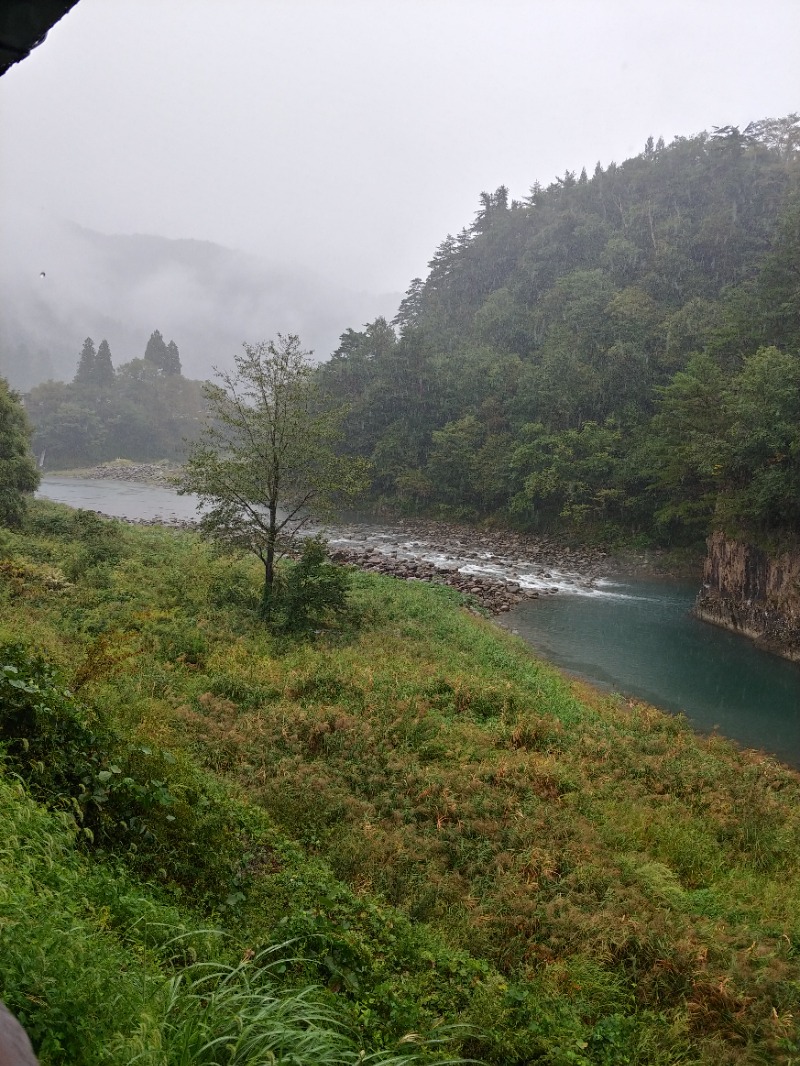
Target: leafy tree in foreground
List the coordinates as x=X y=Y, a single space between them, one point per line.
x=265 y=461
x=18 y=473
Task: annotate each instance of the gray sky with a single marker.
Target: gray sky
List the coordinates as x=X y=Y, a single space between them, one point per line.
x=350 y=136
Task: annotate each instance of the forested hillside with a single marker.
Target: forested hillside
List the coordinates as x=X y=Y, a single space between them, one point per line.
x=144 y=409
x=618 y=354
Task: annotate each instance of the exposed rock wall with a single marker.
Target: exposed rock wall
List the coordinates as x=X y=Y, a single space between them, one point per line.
x=746 y=590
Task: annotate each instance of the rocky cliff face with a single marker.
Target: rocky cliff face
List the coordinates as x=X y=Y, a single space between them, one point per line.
x=746 y=590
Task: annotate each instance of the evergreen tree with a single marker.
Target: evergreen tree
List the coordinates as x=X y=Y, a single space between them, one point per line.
x=156 y=351
x=165 y=357
x=410 y=306
x=86 y=364
x=173 y=361
x=103 y=367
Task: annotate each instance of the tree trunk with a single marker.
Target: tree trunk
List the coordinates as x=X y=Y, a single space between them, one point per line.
x=269 y=562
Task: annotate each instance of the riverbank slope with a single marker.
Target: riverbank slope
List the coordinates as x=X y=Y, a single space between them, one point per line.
x=450 y=830
x=498 y=568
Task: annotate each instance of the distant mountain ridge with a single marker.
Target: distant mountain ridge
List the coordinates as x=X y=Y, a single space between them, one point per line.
x=60 y=283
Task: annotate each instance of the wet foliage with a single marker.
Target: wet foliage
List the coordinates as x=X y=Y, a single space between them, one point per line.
x=616 y=355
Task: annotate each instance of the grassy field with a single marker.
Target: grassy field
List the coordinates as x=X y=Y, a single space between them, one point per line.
x=409 y=813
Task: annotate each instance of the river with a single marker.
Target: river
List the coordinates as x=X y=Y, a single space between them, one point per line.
x=635 y=637
x=639 y=638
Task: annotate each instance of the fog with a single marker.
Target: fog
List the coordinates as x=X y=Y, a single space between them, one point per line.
x=335 y=141
x=63 y=282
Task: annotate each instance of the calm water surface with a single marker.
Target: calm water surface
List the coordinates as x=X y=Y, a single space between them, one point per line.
x=639 y=638
x=635 y=637
x=121 y=499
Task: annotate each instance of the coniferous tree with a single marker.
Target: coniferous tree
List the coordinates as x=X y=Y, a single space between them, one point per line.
x=410 y=306
x=156 y=351
x=173 y=360
x=86 y=364
x=162 y=355
x=103 y=367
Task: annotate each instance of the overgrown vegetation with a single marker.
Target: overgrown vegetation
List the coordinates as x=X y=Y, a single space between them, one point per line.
x=442 y=830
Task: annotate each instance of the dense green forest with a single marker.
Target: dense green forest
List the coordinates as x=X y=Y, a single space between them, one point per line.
x=618 y=354
x=143 y=409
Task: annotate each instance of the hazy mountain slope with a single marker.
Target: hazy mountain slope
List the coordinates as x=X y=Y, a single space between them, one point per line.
x=206 y=297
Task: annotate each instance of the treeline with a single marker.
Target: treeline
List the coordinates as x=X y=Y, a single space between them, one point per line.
x=617 y=354
x=143 y=409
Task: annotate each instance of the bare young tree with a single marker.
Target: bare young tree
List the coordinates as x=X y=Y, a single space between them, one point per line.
x=265 y=464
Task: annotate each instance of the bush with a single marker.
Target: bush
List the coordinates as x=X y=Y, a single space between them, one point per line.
x=310 y=593
x=46 y=733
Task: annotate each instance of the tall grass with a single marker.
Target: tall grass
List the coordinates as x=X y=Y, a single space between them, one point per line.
x=238 y=1016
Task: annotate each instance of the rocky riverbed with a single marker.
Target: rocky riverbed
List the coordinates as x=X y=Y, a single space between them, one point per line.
x=162 y=473
x=497 y=569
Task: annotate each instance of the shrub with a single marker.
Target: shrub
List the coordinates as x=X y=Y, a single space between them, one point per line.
x=309 y=593
x=46 y=734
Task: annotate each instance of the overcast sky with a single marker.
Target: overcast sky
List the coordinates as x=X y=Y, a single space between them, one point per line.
x=350 y=136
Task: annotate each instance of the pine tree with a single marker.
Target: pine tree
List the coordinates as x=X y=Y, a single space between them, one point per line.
x=173 y=360
x=162 y=355
x=103 y=367
x=156 y=351
x=87 y=360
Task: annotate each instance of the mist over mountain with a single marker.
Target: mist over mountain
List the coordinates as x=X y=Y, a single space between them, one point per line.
x=60 y=283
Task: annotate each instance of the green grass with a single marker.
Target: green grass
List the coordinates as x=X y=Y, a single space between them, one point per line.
x=448 y=831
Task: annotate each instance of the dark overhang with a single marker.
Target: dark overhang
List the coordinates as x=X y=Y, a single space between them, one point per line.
x=24 y=24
